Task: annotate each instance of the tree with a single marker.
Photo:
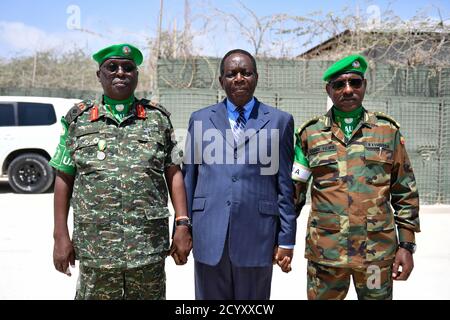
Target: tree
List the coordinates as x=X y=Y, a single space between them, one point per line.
x=418 y=41
x=262 y=33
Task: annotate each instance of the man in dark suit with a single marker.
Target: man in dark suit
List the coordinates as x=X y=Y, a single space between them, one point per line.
x=237 y=175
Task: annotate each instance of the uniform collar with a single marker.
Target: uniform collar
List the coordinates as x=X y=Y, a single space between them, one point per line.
x=368 y=119
x=100 y=109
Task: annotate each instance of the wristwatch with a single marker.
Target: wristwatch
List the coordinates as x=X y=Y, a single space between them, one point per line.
x=410 y=246
x=184 y=222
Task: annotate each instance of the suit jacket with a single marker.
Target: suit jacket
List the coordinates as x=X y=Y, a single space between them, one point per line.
x=249 y=200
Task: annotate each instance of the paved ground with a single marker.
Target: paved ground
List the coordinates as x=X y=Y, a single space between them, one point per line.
x=26 y=268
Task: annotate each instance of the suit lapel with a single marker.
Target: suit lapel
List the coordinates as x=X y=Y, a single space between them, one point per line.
x=219 y=119
x=258 y=118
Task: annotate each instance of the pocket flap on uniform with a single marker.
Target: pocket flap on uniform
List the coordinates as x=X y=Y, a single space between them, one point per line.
x=269 y=207
x=324 y=220
x=198 y=204
x=322 y=155
x=82 y=131
x=378 y=152
x=87 y=141
x=157 y=213
x=380 y=222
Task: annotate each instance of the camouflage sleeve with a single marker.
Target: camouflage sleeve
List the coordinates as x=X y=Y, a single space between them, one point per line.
x=174 y=155
x=300 y=169
x=404 y=194
x=62 y=160
x=301 y=175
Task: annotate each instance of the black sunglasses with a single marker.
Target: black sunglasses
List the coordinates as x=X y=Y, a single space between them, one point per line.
x=340 y=84
x=112 y=67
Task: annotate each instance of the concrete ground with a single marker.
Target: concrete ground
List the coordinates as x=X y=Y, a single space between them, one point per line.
x=27 y=272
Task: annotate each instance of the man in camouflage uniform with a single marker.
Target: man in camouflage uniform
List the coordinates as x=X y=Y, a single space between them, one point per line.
x=113 y=156
x=359 y=167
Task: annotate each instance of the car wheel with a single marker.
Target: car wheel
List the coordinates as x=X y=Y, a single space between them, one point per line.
x=30 y=173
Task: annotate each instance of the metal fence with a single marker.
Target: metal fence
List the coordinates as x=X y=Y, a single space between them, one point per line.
x=424 y=123
x=418 y=98
x=305 y=76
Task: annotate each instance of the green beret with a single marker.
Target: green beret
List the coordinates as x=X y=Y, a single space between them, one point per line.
x=121 y=51
x=354 y=63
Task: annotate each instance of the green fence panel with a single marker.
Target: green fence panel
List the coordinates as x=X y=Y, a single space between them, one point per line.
x=267 y=97
x=444 y=82
x=418 y=98
x=280 y=74
x=303 y=107
x=444 y=174
x=385 y=80
x=181 y=103
x=379 y=104
x=306 y=76
x=426 y=169
x=419 y=119
x=422 y=81
x=444 y=177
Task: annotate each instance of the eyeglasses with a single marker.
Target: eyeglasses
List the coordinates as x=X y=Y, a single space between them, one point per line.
x=112 y=67
x=355 y=83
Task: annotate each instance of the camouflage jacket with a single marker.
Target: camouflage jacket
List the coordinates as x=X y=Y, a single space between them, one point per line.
x=354 y=183
x=120 y=196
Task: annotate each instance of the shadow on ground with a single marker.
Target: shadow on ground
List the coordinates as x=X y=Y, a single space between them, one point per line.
x=5 y=188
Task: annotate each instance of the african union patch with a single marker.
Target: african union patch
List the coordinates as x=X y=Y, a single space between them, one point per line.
x=300 y=172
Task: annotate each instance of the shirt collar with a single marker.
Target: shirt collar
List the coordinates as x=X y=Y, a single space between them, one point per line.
x=248 y=107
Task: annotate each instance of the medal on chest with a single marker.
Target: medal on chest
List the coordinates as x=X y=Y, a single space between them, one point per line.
x=101 y=155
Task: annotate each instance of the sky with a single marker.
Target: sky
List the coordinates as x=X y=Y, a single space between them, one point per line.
x=28 y=26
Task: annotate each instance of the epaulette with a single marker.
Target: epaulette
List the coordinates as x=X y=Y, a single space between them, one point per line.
x=384 y=116
x=77 y=110
x=307 y=123
x=155 y=105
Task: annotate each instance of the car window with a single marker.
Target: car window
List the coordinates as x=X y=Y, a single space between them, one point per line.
x=36 y=114
x=7 y=115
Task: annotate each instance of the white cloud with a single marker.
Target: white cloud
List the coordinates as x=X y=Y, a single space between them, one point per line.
x=17 y=38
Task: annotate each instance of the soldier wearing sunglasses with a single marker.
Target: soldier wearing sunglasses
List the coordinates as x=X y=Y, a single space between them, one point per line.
x=364 y=198
x=116 y=155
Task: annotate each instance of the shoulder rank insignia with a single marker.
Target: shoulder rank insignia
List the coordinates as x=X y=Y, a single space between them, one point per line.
x=155 y=105
x=140 y=111
x=77 y=110
x=307 y=123
x=384 y=116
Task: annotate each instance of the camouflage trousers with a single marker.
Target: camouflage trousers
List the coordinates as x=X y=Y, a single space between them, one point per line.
x=143 y=283
x=332 y=283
